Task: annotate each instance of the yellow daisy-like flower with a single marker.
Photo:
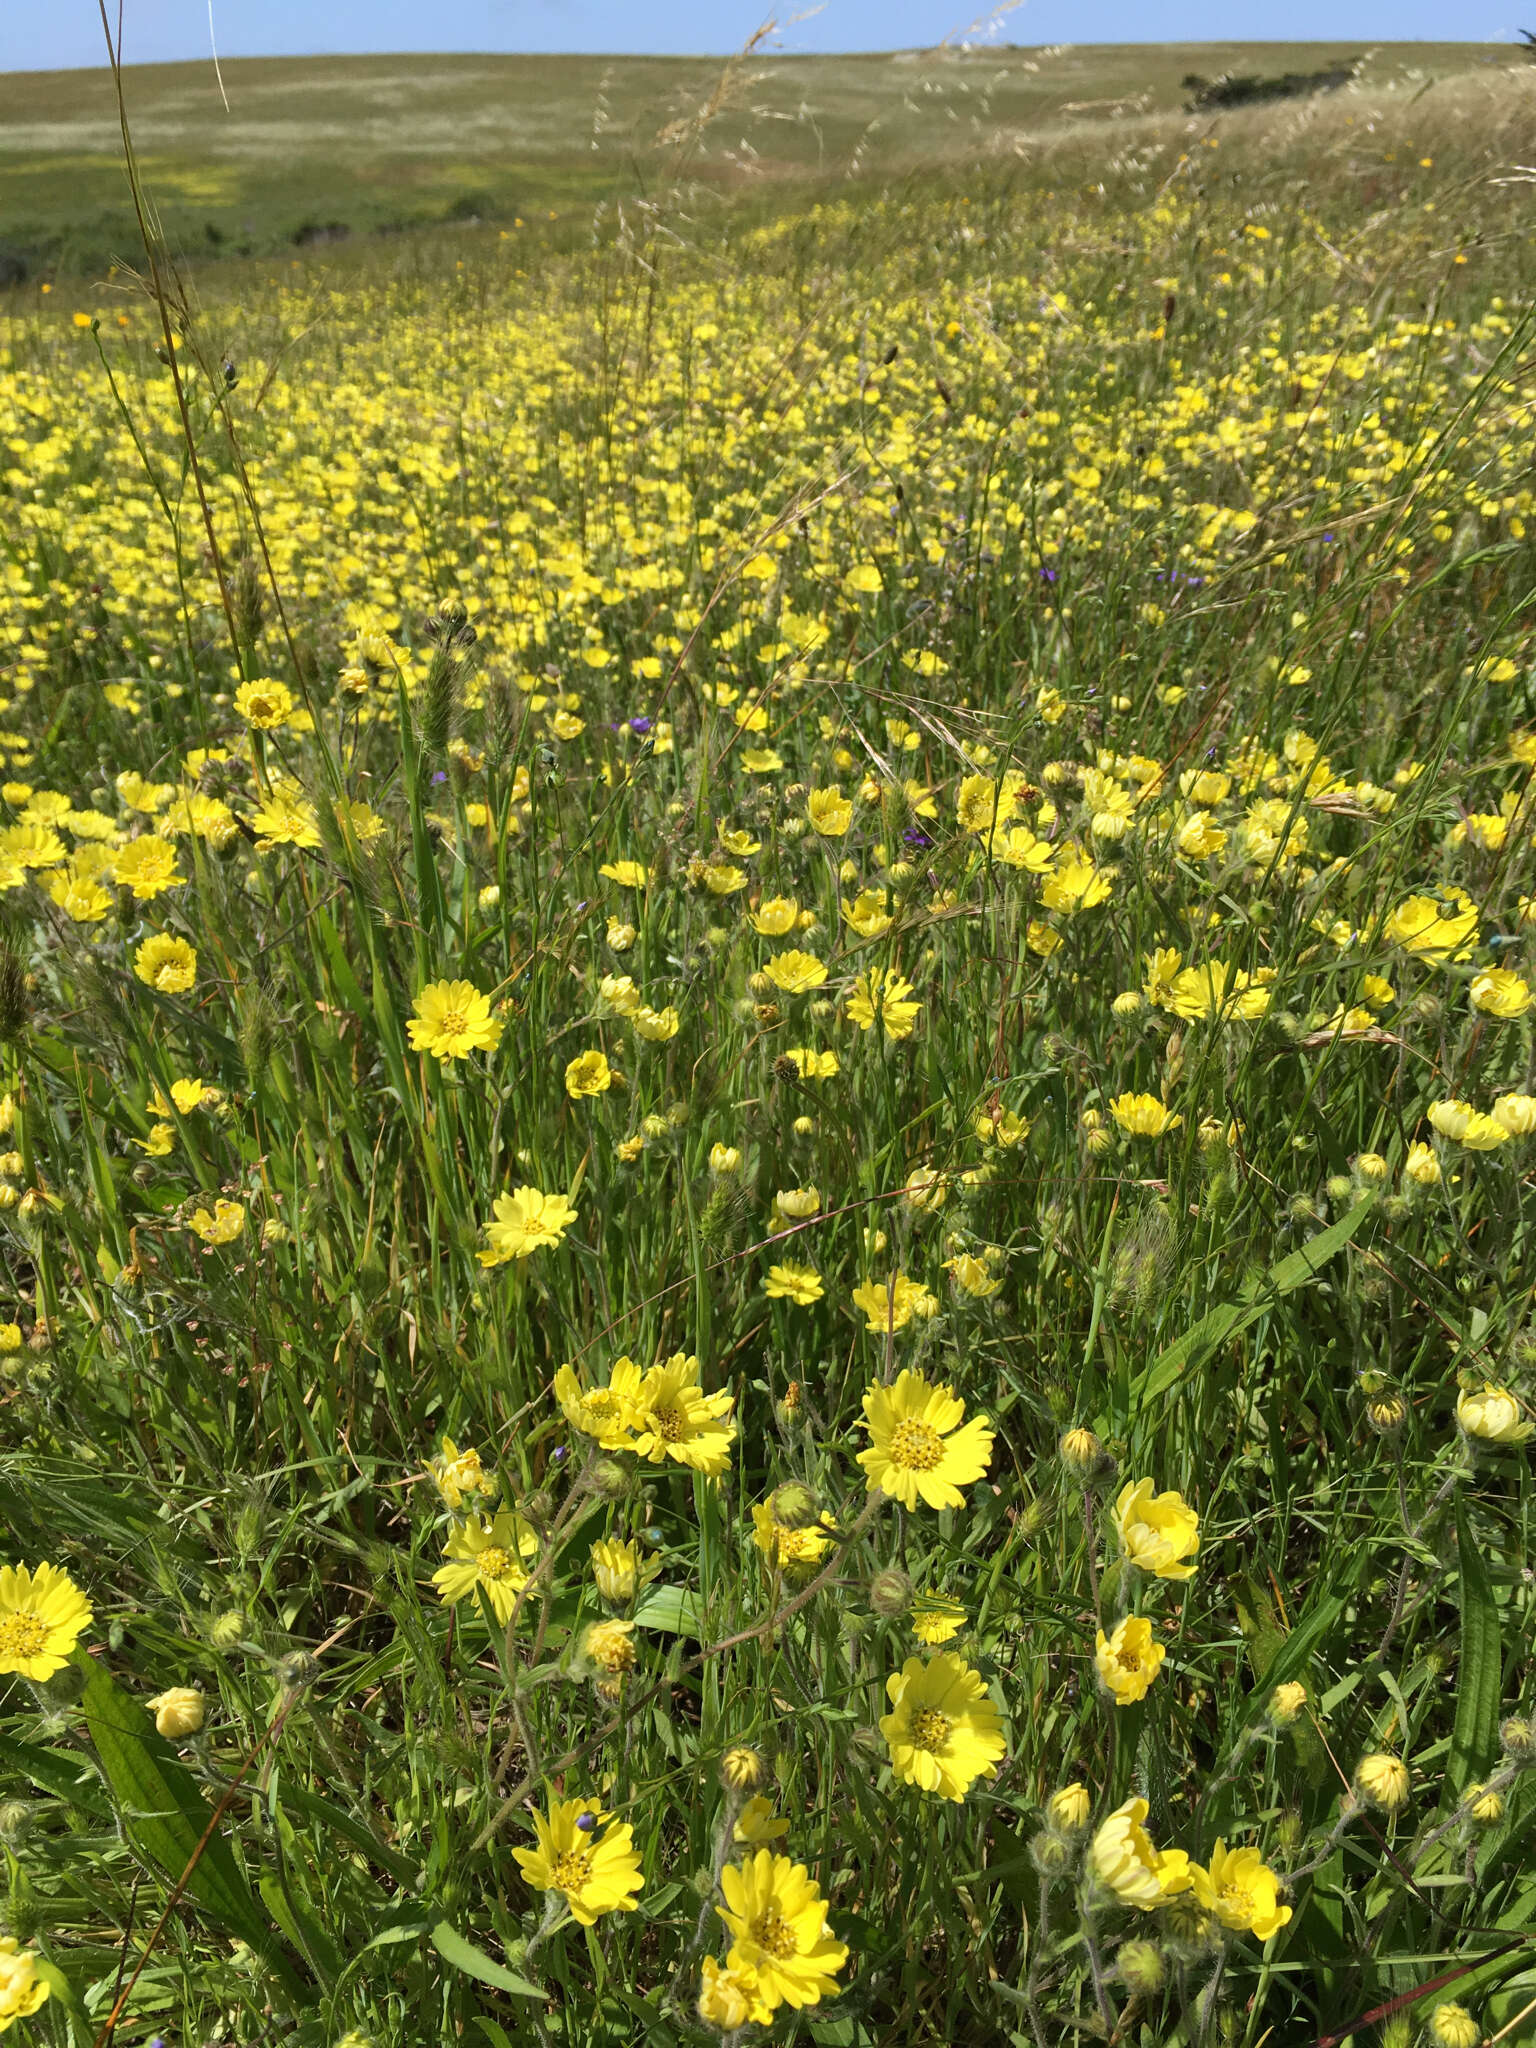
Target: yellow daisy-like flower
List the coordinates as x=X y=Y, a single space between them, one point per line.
x=883 y=995
x=166 y=963
x=778 y=1923
x=1128 y=1660
x=1143 y=1116
x=1121 y=1855
x=774 y=917
x=943 y=1729
x=1157 y=1531
x=935 y=1620
x=146 y=867
x=222 y=1227
x=675 y=1418
x=1494 y=1415
x=604 y=1413
x=620 y=1570
x=1467 y=1126
x=265 y=704
x=829 y=811
x=1241 y=1890
x=1500 y=992
x=758 y=1824
x=1077 y=885
x=523 y=1222
x=629 y=874
x=488 y=1556
x=1435 y=929
x=22 y=1991
x=918 y=1449
x=890 y=1305
x=594 y=1867
x=459 y=1475
x=799 y=1284
x=588 y=1074
x=452 y=1018
x=796 y=973
x=786 y=1549
x=728 y=1998
x=42 y=1616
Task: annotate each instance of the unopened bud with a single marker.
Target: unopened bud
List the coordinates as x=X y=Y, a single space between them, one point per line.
x=297 y=1670
x=1050 y=1854
x=609 y=1478
x=742 y=1769
x=1518 y=1738
x=1484 y=1807
x=1080 y=1452
x=794 y=1506
x=1141 y=1968
x=890 y=1592
x=226 y=1629
x=1068 y=1810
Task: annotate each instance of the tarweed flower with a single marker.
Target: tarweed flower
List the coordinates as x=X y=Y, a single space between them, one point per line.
x=778 y=1922
x=1143 y=1116
x=728 y=1998
x=594 y=1867
x=1157 y=1531
x=1383 y=1781
x=891 y=1307
x=1483 y=1806
x=1493 y=1416
x=610 y=1646
x=918 y=1448
x=605 y=1414
x=166 y=963
x=1241 y=1890
x=788 y=1547
x=460 y=1476
x=943 y=1730
x=1121 y=1855
x=1068 y=1810
x=742 y=1769
x=22 y=1990
x=674 y=1418
x=620 y=1571
x=1286 y=1703
x=758 y=1826
x=488 y=1557
x=935 y=1620
x=222 y=1226
x=452 y=1018
x=588 y=1074
x=799 y=1284
x=43 y=1614
x=1452 y=2026
x=523 y=1222
x=1128 y=1660
x=882 y=995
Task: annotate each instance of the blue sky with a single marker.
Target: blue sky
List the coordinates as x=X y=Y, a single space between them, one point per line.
x=44 y=34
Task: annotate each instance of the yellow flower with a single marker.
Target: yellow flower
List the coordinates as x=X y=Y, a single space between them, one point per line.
x=720 y=878
x=452 y=1018
x=869 y=913
x=943 y=1729
x=1143 y=1115
x=604 y=1413
x=629 y=874
x=42 y=1616
x=728 y=1998
x=787 y=1549
x=1467 y=1126
x=22 y=1991
x=1494 y=1416
x=796 y=973
x=1500 y=992
x=890 y=1305
x=222 y=1227
x=882 y=993
x=588 y=1074
x=981 y=806
x=610 y=1645
x=286 y=819
x=165 y=963
x=1123 y=1858
x=778 y=1923
x=595 y=1872
x=1384 y=1781
x=1000 y=1127
x=1128 y=1660
x=799 y=1284
x=1516 y=1113
x=525 y=1221
x=460 y=1475
x=146 y=867
x=973 y=1276
x=1421 y=1165
x=1019 y=848
x=1286 y=1702
x=674 y=1418
x=1435 y=929
x=758 y=1824
x=1241 y=1890
x=829 y=811
x=813 y=1065
x=620 y=1570
x=1076 y=885
x=487 y=1556
x=1157 y=1531
x=179 y=1712
x=774 y=917
x=1068 y=1809
x=80 y=896
x=656 y=1025
x=265 y=704
x=1450 y=2024
x=918 y=1449
x=795 y=1205
x=935 y=1620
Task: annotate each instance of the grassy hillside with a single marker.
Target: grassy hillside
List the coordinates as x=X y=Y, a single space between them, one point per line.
x=317 y=146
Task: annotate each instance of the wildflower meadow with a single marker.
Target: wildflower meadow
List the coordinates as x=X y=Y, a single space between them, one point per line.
x=766 y=1065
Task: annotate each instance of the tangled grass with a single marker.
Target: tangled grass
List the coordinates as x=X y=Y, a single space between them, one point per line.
x=766 y=1047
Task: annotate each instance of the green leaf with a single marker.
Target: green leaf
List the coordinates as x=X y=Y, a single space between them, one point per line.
x=1479 y=1677
x=474 y=1962
x=1217 y=1324
x=166 y=1817
x=62 y=1772
x=671 y=1608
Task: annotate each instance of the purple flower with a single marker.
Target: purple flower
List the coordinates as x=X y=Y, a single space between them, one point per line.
x=640 y=725
x=439 y=775
x=914 y=837
x=1047 y=575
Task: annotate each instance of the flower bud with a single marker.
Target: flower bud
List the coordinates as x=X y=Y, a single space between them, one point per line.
x=179 y=1712
x=1141 y=1969
x=609 y=1478
x=1386 y=1413
x=1068 y=1810
x=539 y=1507
x=1483 y=1807
x=1080 y=1452
x=1452 y=2026
x=794 y=1506
x=743 y=1769
x=890 y=1592
x=1286 y=1702
x=226 y=1629
x=1383 y=1781
x=1051 y=1856
x=15 y=1821
x=1518 y=1739
x=298 y=1669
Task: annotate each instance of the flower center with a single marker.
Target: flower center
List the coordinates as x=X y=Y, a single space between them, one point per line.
x=495 y=1563
x=572 y=1870
x=1238 y=1900
x=774 y=1933
x=670 y=1424
x=453 y=1023
x=22 y=1635
x=1128 y=1660
x=930 y=1730
x=917 y=1445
